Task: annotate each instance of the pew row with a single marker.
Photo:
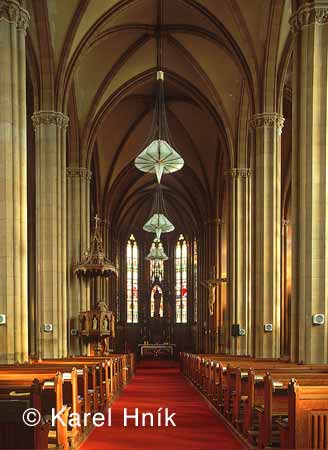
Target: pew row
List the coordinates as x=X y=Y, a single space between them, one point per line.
x=255 y=396
x=13 y=388
x=83 y=385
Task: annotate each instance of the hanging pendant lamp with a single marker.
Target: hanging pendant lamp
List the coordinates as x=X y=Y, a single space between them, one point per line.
x=159 y=155
x=157 y=252
x=158 y=223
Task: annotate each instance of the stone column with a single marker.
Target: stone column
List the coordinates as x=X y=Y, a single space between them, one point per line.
x=203 y=294
x=212 y=270
x=285 y=287
x=13 y=191
x=239 y=259
x=78 y=241
x=209 y=269
x=310 y=183
x=218 y=309
x=106 y=283
x=50 y=129
x=267 y=128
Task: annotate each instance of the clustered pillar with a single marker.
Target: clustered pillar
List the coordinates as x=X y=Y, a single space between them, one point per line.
x=267 y=128
x=78 y=242
x=239 y=259
x=13 y=189
x=310 y=182
x=51 y=236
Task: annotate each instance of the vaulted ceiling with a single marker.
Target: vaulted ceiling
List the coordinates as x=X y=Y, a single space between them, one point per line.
x=100 y=57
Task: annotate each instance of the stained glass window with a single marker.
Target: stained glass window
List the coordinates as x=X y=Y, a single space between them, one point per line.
x=195 y=281
x=152 y=301
x=181 y=280
x=156 y=270
x=132 y=274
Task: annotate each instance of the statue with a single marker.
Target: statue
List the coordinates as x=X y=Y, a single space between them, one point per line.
x=112 y=321
x=157 y=302
x=106 y=323
x=211 y=285
x=94 y=323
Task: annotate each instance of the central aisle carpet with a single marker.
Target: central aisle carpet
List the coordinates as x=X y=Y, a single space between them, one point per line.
x=159 y=384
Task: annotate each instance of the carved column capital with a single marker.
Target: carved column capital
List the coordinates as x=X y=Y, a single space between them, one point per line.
x=12 y=12
x=267 y=120
x=50 y=118
x=309 y=14
x=78 y=172
x=239 y=172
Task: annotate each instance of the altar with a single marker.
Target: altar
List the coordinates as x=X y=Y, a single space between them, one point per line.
x=157 y=350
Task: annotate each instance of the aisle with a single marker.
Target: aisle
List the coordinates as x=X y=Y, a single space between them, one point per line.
x=160 y=384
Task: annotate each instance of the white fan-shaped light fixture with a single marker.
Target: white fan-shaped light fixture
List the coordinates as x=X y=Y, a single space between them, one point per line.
x=159 y=158
x=158 y=222
x=159 y=155
x=157 y=252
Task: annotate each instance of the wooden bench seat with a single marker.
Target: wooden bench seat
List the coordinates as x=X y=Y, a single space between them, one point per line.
x=254 y=395
x=270 y=393
x=93 y=374
x=13 y=403
x=51 y=394
x=306 y=426
x=76 y=394
x=73 y=385
x=113 y=375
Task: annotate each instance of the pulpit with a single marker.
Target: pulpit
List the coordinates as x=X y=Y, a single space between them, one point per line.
x=97 y=327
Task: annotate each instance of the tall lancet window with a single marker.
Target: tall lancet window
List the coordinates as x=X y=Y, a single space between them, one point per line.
x=156 y=270
x=181 y=280
x=195 y=281
x=132 y=273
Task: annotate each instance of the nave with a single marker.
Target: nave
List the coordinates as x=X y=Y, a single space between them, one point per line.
x=161 y=384
x=164 y=192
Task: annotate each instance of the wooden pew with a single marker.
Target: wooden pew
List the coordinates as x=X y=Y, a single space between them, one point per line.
x=203 y=371
x=307 y=417
x=75 y=387
x=128 y=361
x=13 y=433
x=205 y=377
x=109 y=375
x=239 y=392
x=191 y=363
x=51 y=397
x=105 y=376
x=86 y=384
x=234 y=390
x=255 y=390
x=275 y=403
x=93 y=395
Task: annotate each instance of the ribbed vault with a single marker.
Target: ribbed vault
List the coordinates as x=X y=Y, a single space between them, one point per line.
x=101 y=60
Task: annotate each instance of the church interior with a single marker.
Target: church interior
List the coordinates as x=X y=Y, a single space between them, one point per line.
x=163 y=226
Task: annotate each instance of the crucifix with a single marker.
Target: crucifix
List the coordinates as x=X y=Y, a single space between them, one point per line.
x=211 y=284
x=97 y=222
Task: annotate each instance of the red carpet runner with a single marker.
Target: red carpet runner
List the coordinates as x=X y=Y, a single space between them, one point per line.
x=160 y=384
